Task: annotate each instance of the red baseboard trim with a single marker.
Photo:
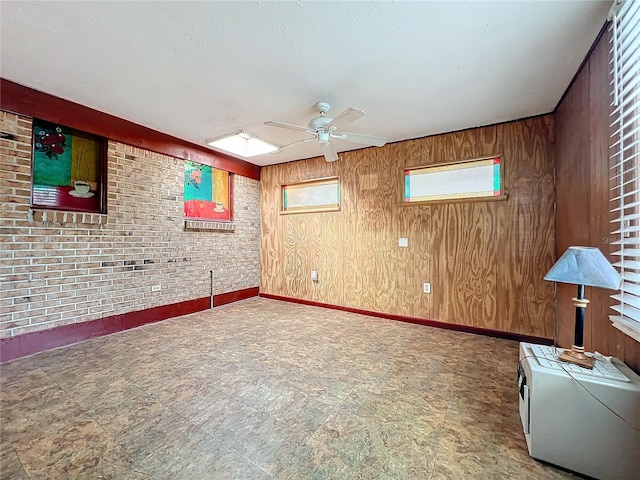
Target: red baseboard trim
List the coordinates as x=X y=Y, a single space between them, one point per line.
x=230 y=297
x=26 y=101
x=35 y=342
x=420 y=321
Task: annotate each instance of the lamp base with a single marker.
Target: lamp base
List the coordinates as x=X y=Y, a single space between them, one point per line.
x=576 y=355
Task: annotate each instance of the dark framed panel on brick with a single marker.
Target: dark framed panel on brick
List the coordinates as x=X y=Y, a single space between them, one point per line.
x=68 y=169
x=207 y=193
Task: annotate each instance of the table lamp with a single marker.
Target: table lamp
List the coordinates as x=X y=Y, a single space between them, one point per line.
x=582 y=266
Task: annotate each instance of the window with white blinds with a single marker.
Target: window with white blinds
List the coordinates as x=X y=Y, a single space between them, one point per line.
x=625 y=161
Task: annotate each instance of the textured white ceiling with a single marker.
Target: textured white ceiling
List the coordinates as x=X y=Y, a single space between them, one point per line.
x=198 y=70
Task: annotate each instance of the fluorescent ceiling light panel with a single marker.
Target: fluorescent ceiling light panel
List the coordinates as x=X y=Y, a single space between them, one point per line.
x=242 y=144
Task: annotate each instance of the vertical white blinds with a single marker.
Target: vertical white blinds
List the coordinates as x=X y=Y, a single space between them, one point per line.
x=625 y=161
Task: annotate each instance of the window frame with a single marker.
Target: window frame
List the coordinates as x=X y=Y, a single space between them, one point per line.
x=310 y=208
x=624 y=162
x=471 y=196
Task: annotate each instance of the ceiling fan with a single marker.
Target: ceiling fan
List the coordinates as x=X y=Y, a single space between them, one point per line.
x=324 y=128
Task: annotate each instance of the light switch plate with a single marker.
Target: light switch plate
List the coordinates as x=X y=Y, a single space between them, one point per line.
x=403 y=242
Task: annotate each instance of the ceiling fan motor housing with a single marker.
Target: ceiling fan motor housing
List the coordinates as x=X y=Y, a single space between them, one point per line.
x=318 y=124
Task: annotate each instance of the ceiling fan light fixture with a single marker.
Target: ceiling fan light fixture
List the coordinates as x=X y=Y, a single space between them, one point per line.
x=243 y=144
x=323 y=137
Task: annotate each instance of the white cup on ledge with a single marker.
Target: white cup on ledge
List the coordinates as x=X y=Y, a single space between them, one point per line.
x=81 y=186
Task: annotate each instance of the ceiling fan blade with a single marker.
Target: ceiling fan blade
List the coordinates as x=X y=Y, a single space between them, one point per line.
x=329 y=152
x=289 y=126
x=297 y=142
x=363 y=139
x=345 y=118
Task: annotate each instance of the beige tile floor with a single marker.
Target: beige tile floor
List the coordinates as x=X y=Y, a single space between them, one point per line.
x=264 y=389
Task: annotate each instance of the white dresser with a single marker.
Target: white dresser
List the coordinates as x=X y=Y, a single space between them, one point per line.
x=584 y=420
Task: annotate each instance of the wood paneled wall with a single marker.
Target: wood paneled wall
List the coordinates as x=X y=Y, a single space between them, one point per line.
x=485 y=260
x=582 y=178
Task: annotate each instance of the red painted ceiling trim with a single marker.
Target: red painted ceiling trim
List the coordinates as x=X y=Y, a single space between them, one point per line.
x=26 y=101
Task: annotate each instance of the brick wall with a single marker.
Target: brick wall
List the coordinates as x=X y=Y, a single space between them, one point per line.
x=59 y=268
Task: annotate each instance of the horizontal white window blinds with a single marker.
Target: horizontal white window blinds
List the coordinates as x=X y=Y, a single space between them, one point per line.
x=625 y=162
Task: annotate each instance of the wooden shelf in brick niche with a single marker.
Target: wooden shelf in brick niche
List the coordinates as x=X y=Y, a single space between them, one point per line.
x=204 y=226
x=67 y=218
